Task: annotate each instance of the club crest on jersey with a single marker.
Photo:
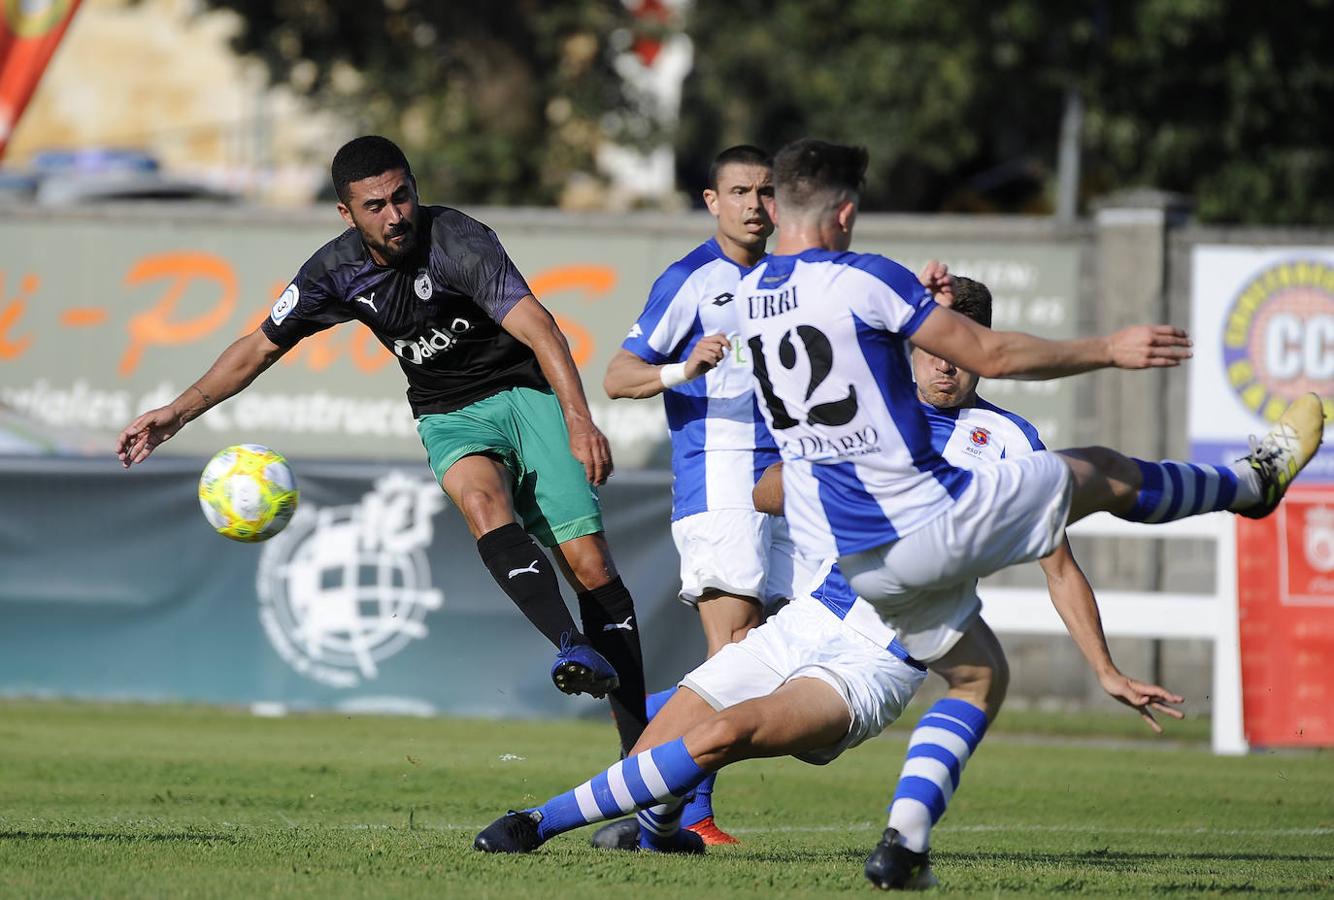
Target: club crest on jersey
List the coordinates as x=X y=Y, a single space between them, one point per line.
x=980 y=437
x=422 y=285
x=285 y=304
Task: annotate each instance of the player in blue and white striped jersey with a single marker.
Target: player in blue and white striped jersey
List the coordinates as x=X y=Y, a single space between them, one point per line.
x=826 y=330
x=734 y=560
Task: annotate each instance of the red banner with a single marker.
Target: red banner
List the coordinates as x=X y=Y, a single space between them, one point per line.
x=1285 y=586
x=29 y=35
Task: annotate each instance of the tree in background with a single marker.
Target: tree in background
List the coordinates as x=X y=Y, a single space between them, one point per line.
x=961 y=103
x=498 y=102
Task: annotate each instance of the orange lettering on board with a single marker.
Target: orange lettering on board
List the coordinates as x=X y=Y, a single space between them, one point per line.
x=9 y=315
x=594 y=281
x=155 y=326
x=83 y=317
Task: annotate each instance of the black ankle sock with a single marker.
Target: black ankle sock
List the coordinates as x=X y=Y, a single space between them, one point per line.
x=523 y=571
x=608 y=613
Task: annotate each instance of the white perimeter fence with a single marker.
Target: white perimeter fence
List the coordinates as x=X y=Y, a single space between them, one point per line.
x=1153 y=614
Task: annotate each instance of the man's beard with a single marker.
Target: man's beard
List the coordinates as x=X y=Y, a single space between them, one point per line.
x=395 y=253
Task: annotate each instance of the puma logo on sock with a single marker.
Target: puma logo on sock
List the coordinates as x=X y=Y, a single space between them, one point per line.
x=622 y=626
x=531 y=569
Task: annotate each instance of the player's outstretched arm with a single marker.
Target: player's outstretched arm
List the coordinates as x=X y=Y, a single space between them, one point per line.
x=630 y=376
x=233 y=370
x=1013 y=354
x=530 y=323
x=1072 y=595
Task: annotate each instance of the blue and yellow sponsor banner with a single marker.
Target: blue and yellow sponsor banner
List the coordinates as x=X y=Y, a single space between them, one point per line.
x=1263 y=325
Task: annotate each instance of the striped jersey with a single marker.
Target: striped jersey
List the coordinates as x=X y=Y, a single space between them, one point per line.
x=968 y=437
x=827 y=335
x=982 y=433
x=720 y=445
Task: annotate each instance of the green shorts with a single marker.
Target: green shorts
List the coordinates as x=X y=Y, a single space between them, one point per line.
x=525 y=430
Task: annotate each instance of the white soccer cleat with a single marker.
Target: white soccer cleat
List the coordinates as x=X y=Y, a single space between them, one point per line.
x=1284 y=451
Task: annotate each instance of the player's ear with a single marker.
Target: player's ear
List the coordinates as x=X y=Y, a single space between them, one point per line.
x=346 y=214
x=770 y=207
x=711 y=200
x=847 y=214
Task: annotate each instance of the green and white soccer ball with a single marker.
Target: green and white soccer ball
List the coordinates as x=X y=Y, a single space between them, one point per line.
x=248 y=492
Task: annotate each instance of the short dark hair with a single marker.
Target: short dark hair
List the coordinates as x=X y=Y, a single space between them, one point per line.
x=365 y=157
x=972 y=299
x=807 y=170
x=743 y=154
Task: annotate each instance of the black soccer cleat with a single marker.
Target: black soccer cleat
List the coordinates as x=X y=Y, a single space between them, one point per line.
x=623 y=834
x=514 y=832
x=893 y=867
x=684 y=841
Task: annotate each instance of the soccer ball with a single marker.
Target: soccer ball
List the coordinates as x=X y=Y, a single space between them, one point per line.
x=248 y=493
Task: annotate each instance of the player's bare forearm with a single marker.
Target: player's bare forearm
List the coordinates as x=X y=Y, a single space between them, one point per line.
x=235 y=368
x=1014 y=354
x=767 y=495
x=628 y=376
x=232 y=372
x=1072 y=596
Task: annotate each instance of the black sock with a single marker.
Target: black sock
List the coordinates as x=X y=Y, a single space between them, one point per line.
x=523 y=571
x=610 y=624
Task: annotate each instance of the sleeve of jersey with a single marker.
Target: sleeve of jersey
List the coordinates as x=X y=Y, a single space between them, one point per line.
x=897 y=301
x=303 y=309
x=468 y=255
x=666 y=322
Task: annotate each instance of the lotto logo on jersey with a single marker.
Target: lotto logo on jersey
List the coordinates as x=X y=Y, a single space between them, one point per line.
x=980 y=437
x=1278 y=337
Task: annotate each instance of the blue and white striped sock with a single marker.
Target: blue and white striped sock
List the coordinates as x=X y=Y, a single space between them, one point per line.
x=941 y=743
x=1173 y=490
x=699 y=806
x=659 y=825
x=662 y=775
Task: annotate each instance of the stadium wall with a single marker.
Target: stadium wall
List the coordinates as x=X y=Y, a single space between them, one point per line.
x=107 y=310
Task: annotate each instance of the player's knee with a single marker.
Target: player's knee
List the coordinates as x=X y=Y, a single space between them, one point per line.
x=724 y=738
x=483 y=508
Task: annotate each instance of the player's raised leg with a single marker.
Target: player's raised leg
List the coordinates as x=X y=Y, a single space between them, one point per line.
x=608 y=613
x=1143 y=491
x=480 y=488
x=943 y=741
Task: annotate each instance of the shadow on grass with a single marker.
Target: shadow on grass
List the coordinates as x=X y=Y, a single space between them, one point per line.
x=120 y=837
x=1115 y=859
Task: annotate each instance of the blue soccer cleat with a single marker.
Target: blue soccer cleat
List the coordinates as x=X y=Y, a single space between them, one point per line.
x=579 y=669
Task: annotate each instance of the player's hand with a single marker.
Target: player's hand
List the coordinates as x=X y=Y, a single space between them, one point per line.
x=936 y=278
x=142 y=436
x=709 y=351
x=1148 y=347
x=589 y=446
x=1144 y=698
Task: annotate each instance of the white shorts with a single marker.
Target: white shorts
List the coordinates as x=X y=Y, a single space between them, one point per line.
x=805 y=640
x=925 y=585
x=736 y=551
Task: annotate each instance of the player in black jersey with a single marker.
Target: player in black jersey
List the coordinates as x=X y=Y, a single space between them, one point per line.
x=498 y=402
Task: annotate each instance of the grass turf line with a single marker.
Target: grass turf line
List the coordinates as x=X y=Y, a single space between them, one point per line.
x=133 y=800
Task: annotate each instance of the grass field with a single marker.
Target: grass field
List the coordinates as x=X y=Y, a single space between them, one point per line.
x=119 y=801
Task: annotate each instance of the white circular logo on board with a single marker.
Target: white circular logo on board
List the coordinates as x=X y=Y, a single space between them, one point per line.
x=344 y=588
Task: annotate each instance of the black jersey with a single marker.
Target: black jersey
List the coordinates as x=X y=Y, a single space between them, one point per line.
x=438 y=311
